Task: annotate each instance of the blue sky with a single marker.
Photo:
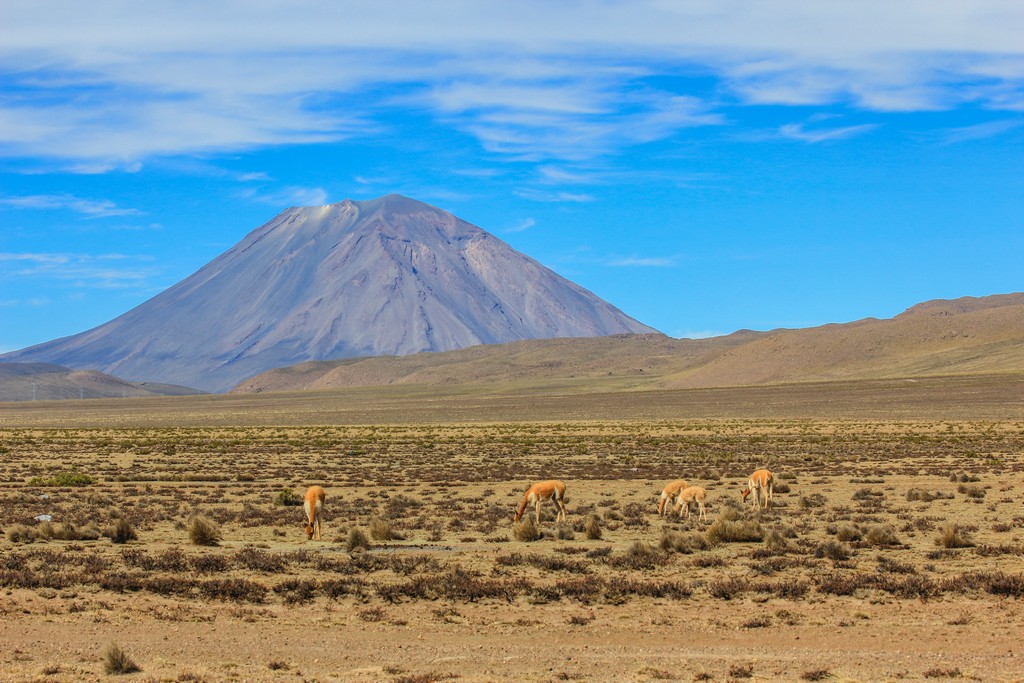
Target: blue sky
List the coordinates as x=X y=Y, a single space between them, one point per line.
x=704 y=166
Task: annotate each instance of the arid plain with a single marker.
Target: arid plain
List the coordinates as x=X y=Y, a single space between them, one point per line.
x=894 y=548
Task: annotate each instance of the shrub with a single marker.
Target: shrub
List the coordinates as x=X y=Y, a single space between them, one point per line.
x=288 y=498
x=357 y=540
x=380 y=530
x=116 y=661
x=640 y=556
x=203 y=531
x=65 y=478
x=881 y=535
x=739 y=531
x=684 y=542
x=833 y=550
x=954 y=536
x=19 y=533
x=727 y=589
x=849 y=534
x=971 y=491
x=526 y=531
x=592 y=527
x=122 y=532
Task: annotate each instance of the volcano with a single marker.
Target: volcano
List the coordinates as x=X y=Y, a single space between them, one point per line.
x=390 y=276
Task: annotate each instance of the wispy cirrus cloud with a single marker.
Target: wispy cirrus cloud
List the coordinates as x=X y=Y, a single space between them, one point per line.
x=93 y=208
x=522 y=225
x=288 y=196
x=643 y=262
x=801 y=132
x=110 y=83
x=97 y=271
x=981 y=131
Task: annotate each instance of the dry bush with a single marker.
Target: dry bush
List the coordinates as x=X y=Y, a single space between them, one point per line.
x=815 y=675
x=381 y=530
x=728 y=588
x=832 y=550
x=525 y=531
x=592 y=527
x=357 y=540
x=684 y=542
x=924 y=496
x=203 y=531
x=881 y=535
x=723 y=530
x=19 y=533
x=954 y=536
x=849 y=534
x=976 y=492
x=288 y=498
x=122 y=532
x=117 y=662
x=640 y=556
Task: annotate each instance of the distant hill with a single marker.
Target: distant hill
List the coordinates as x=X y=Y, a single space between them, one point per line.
x=47 y=382
x=963 y=336
x=391 y=276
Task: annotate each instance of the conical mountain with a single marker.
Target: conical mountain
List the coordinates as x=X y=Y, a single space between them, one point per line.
x=391 y=276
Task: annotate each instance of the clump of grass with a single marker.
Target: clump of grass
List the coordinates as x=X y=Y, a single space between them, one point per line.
x=881 y=535
x=833 y=550
x=849 y=534
x=592 y=527
x=684 y=542
x=815 y=675
x=122 y=532
x=971 y=491
x=203 y=531
x=64 y=478
x=19 y=533
x=640 y=555
x=357 y=540
x=954 y=536
x=526 y=531
x=741 y=670
x=381 y=530
x=723 y=530
x=117 y=662
x=287 y=497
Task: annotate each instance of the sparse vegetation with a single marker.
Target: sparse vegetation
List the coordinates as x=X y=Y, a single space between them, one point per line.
x=880 y=535
x=117 y=662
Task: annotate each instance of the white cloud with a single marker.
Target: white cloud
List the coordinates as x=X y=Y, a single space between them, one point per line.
x=80 y=270
x=644 y=261
x=553 y=197
x=982 y=130
x=797 y=131
x=288 y=196
x=102 y=208
x=108 y=83
x=522 y=225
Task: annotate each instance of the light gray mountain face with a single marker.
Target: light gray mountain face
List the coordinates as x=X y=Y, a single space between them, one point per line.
x=391 y=276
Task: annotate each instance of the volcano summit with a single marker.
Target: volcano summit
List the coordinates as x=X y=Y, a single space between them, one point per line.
x=391 y=276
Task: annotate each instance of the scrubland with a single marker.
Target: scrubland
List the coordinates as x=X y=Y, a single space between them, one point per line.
x=892 y=550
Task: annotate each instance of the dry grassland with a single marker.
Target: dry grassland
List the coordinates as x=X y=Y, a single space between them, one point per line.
x=894 y=550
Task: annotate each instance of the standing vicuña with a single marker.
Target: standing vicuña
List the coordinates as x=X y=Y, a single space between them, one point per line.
x=539 y=492
x=313 y=504
x=691 y=493
x=669 y=494
x=762 y=484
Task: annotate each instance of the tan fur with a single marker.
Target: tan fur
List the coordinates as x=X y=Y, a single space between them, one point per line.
x=762 y=485
x=669 y=494
x=538 y=493
x=313 y=504
x=692 y=493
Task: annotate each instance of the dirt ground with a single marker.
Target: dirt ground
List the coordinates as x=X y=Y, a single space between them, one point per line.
x=893 y=551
